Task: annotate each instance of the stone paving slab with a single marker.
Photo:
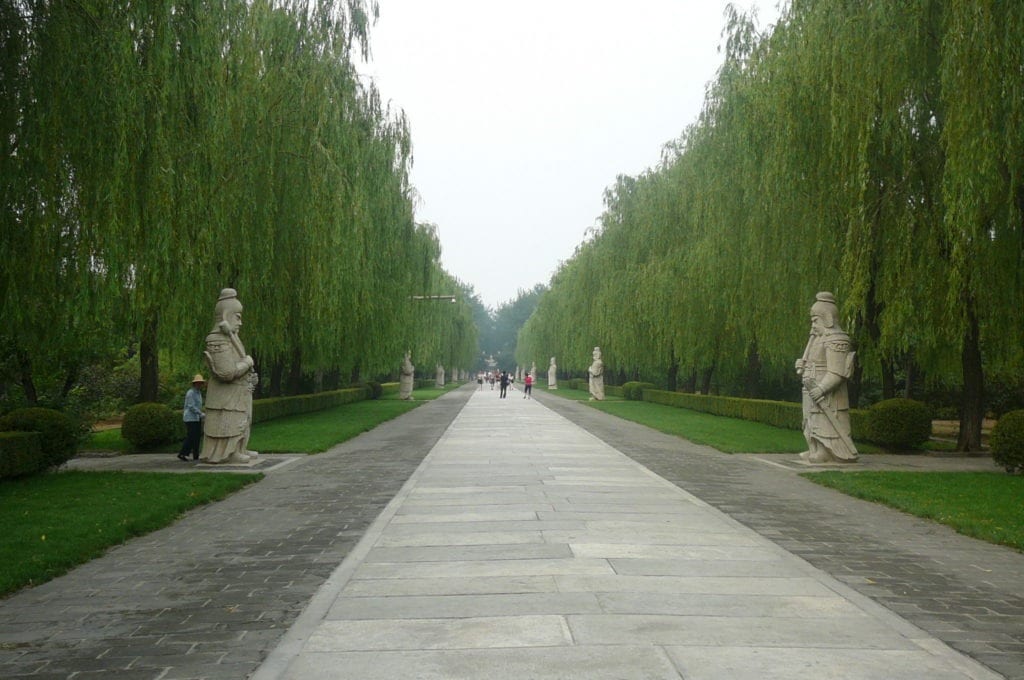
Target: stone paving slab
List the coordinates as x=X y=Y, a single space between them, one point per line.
x=648 y=573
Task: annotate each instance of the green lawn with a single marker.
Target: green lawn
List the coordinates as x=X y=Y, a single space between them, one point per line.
x=53 y=522
x=984 y=505
x=319 y=431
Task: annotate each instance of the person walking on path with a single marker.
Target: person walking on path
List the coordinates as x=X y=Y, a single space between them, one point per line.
x=193 y=416
x=528 y=386
x=504 y=385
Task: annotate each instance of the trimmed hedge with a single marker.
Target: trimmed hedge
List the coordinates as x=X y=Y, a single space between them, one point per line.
x=150 y=425
x=58 y=433
x=784 y=414
x=899 y=424
x=279 y=407
x=1007 y=442
x=389 y=388
x=21 y=453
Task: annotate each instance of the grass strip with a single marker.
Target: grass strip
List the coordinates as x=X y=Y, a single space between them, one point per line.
x=729 y=435
x=304 y=433
x=984 y=505
x=54 y=522
x=319 y=431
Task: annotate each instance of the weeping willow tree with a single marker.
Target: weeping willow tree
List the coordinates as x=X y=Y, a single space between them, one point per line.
x=870 y=149
x=155 y=152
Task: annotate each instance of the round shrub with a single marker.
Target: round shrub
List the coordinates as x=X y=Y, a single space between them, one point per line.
x=899 y=424
x=57 y=432
x=150 y=425
x=376 y=389
x=634 y=390
x=1007 y=441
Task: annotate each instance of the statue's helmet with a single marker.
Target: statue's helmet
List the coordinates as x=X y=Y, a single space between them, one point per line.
x=227 y=303
x=825 y=307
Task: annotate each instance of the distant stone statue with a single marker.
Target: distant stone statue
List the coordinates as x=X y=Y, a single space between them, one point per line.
x=552 y=375
x=824 y=368
x=439 y=376
x=406 y=377
x=596 y=372
x=232 y=382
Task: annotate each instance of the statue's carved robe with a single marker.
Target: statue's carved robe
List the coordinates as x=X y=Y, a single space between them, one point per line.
x=829 y=353
x=228 y=400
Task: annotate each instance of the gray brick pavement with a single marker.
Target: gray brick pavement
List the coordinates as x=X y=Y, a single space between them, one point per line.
x=965 y=592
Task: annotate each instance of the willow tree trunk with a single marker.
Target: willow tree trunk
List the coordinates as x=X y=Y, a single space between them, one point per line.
x=673 y=375
x=25 y=378
x=972 y=405
x=149 y=360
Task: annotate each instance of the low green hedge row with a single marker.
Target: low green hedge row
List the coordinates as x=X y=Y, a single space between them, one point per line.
x=20 y=454
x=389 y=388
x=634 y=390
x=279 y=407
x=783 y=414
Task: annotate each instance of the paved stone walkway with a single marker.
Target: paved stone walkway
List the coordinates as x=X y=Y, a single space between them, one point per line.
x=967 y=593
x=525 y=547
x=211 y=596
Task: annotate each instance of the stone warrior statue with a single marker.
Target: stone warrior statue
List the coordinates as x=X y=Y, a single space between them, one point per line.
x=406 y=377
x=232 y=382
x=596 y=372
x=552 y=375
x=825 y=367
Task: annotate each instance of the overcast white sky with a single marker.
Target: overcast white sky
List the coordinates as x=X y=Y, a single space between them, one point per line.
x=522 y=113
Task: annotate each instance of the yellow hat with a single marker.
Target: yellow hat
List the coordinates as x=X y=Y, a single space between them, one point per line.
x=198 y=379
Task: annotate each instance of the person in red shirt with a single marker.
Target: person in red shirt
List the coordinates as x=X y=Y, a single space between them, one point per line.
x=528 y=382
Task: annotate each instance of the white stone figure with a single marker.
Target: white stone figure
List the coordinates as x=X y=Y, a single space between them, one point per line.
x=552 y=375
x=439 y=376
x=533 y=370
x=825 y=367
x=596 y=372
x=406 y=378
x=229 y=392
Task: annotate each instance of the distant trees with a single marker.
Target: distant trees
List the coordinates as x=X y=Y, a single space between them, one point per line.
x=154 y=152
x=871 y=149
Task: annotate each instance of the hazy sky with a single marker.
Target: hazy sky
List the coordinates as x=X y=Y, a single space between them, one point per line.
x=522 y=113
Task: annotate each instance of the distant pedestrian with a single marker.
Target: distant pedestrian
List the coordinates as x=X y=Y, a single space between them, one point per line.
x=503 y=383
x=528 y=386
x=193 y=416
x=480 y=380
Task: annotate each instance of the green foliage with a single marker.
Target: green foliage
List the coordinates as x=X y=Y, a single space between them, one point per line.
x=20 y=454
x=878 y=132
x=899 y=424
x=634 y=390
x=55 y=522
x=1007 y=442
x=58 y=433
x=150 y=425
x=983 y=505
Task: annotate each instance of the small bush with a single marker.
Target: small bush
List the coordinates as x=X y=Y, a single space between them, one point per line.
x=1007 y=441
x=634 y=390
x=376 y=389
x=150 y=425
x=58 y=433
x=899 y=424
x=20 y=454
